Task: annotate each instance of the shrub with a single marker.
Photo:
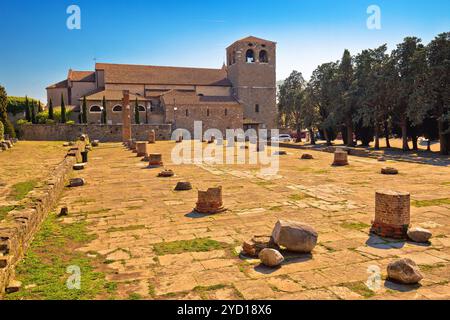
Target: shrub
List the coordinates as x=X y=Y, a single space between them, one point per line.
x=2 y=131
x=70 y=122
x=50 y=121
x=44 y=117
x=22 y=122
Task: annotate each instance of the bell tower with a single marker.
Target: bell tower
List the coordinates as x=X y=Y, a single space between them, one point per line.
x=251 y=65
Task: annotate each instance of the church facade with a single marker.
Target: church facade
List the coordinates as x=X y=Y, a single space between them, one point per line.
x=240 y=95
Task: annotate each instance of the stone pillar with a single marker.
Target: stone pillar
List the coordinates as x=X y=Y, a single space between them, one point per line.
x=155 y=160
x=340 y=158
x=141 y=148
x=210 y=202
x=392 y=214
x=126 y=116
x=152 y=137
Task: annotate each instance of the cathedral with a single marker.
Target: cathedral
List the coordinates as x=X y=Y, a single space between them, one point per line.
x=240 y=95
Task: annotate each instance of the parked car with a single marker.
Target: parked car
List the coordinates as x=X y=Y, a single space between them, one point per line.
x=282 y=138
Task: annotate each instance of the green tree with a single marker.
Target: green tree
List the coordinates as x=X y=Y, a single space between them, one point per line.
x=322 y=90
x=33 y=113
x=84 y=111
x=50 y=110
x=63 y=110
x=7 y=125
x=104 y=120
x=136 y=112
x=2 y=131
x=438 y=56
x=40 y=109
x=292 y=101
x=27 y=110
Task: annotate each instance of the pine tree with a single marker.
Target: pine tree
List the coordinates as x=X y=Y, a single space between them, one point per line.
x=50 y=111
x=136 y=112
x=63 y=110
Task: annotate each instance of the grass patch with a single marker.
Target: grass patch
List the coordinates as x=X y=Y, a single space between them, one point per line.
x=430 y=203
x=134 y=207
x=4 y=210
x=134 y=296
x=360 y=288
x=21 y=189
x=276 y=208
x=430 y=267
x=354 y=225
x=46 y=261
x=447 y=183
x=299 y=197
x=196 y=245
x=130 y=228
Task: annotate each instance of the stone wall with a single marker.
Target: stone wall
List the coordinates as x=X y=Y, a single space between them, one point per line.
x=19 y=226
x=104 y=133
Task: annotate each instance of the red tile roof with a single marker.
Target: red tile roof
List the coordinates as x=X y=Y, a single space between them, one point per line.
x=60 y=85
x=137 y=74
x=81 y=76
x=191 y=98
x=112 y=95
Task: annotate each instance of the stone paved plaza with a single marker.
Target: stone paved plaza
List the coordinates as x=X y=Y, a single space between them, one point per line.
x=130 y=212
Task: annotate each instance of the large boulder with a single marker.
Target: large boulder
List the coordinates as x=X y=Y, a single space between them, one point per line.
x=294 y=236
x=404 y=271
x=419 y=235
x=271 y=258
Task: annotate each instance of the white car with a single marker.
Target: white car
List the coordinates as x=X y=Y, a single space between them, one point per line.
x=282 y=138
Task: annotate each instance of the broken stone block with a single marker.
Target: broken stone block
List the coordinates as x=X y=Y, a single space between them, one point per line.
x=404 y=271
x=95 y=143
x=271 y=258
x=141 y=149
x=210 y=201
x=419 y=235
x=256 y=244
x=155 y=160
x=280 y=153
x=392 y=214
x=166 y=174
x=3 y=262
x=295 y=236
x=389 y=171
x=66 y=144
x=64 y=212
x=78 y=166
x=13 y=286
x=340 y=158
x=183 y=186
x=152 y=137
x=77 y=182
x=307 y=156
x=381 y=159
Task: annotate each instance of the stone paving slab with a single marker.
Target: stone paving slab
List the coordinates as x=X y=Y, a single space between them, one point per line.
x=130 y=210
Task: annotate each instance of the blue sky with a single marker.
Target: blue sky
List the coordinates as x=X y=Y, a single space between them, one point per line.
x=37 y=49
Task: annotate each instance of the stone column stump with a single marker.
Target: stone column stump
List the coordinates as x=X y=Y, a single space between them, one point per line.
x=210 y=201
x=155 y=160
x=141 y=148
x=340 y=158
x=392 y=214
x=152 y=137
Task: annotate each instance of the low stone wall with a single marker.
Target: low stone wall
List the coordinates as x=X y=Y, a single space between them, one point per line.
x=103 y=133
x=19 y=226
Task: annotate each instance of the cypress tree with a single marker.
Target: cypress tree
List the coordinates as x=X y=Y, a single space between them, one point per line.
x=104 y=110
x=33 y=113
x=136 y=113
x=40 y=109
x=63 y=110
x=8 y=128
x=27 y=110
x=50 y=110
x=84 y=111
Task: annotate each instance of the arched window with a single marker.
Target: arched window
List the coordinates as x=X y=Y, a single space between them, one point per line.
x=95 y=109
x=250 y=56
x=263 y=56
x=141 y=108
x=117 y=108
